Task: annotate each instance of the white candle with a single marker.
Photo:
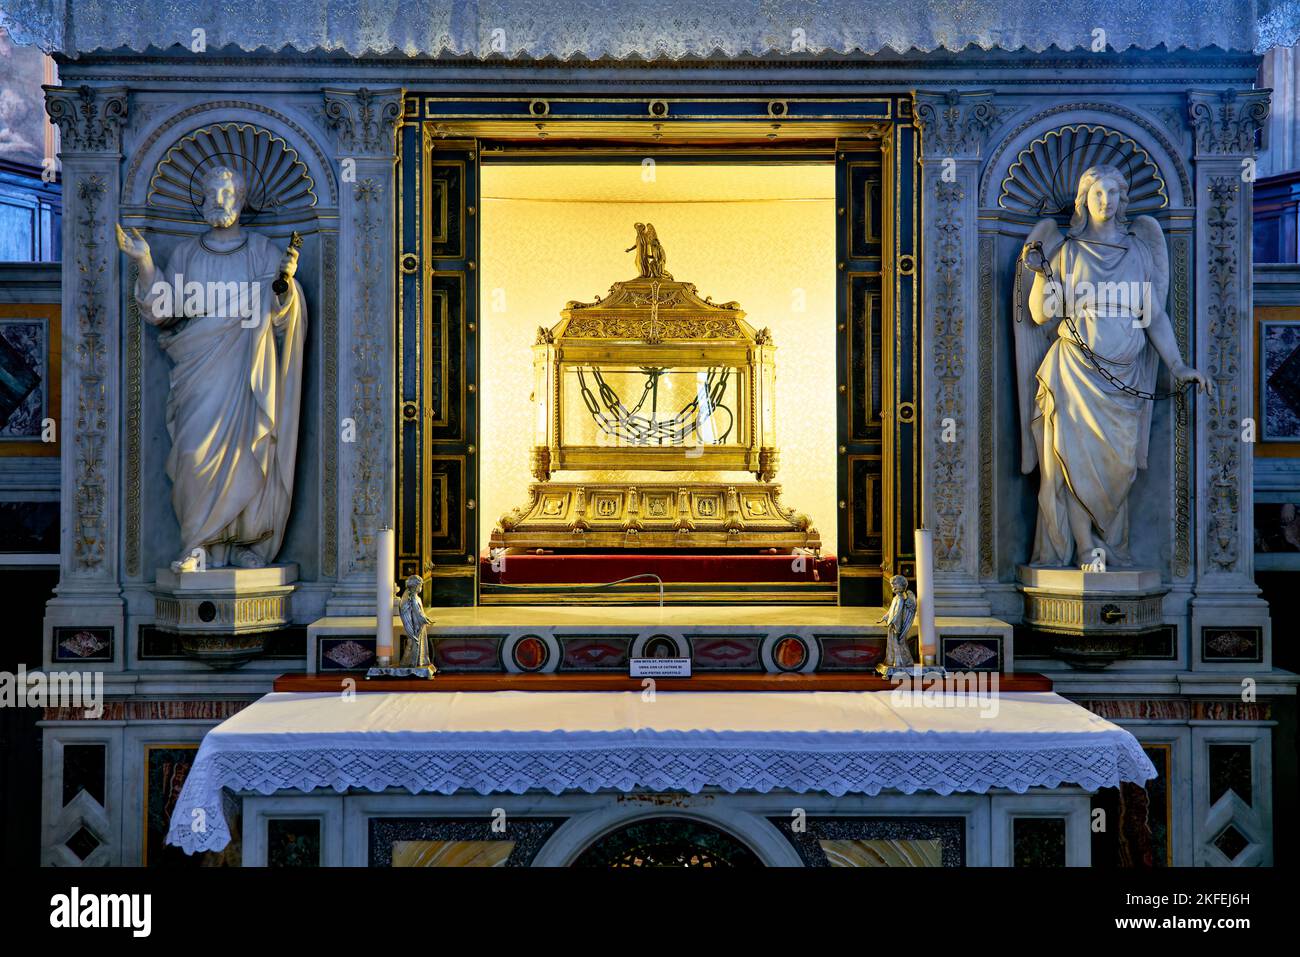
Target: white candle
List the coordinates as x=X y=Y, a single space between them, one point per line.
x=925 y=594
x=385 y=548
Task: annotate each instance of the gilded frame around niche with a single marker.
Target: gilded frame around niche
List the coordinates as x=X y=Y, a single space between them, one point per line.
x=600 y=133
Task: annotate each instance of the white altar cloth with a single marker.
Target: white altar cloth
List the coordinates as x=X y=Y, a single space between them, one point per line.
x=515 y=741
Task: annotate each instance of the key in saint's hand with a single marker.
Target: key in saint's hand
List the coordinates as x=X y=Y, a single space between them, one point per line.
x=281 y=284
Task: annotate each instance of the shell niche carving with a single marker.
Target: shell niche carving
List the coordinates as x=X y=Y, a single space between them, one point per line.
x=1044 y=178
x=278 y=180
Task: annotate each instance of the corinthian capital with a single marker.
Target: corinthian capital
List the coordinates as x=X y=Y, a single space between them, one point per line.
x=953 y=124
x=90 y=119
x=365 y=122
x=1225 y=121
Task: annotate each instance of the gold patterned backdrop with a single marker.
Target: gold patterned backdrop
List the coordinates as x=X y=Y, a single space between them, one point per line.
x=761 y=235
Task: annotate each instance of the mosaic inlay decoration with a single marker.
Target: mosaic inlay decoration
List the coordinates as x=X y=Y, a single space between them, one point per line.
x=1038 y=841
x=1231 y=769
x=1135 y=831
x=452 y=853
x=878 y=841
x=349 y=653
x=24 y=377
x=972 y=654
x=166 y=768
x=391 y=839
x=84 y=770
x=595 y=653
x=668 y=842
x=850 y=654
x=293 y=842
x=83 y=644
x=1232 y=644
x=468 y=653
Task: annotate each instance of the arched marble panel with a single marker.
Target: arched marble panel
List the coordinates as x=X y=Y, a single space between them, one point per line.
x=155 y=152
x=581 y=831
x=1159 y=152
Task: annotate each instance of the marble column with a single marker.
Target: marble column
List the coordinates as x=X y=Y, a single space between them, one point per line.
x=365 y=123
x=953 y=128
x=89 y=593
x=1225 y=124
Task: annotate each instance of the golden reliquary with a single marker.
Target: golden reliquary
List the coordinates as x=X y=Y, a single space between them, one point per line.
x=655 y=429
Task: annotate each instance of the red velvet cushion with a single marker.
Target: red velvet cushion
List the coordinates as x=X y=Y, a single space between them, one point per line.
x=600 y=569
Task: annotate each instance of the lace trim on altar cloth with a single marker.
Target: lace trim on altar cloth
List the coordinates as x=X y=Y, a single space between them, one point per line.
x=198 y=824
x=649 y=28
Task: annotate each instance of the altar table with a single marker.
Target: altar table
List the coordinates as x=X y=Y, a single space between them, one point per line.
x=516 y=741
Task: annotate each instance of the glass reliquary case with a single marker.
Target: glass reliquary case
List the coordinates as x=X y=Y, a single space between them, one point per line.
x=655 y=425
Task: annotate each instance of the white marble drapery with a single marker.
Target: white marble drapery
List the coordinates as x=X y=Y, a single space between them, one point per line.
x=233 y=408
x=649 y=28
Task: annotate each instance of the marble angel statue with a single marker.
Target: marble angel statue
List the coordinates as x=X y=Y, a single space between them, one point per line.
x=1090 y=331
x=898 y=621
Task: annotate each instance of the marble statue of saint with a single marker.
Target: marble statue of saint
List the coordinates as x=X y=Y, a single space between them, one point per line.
x=236 y=347
x=898 y=620
x=1090 y=332
x=415 y=645
x=651 y=261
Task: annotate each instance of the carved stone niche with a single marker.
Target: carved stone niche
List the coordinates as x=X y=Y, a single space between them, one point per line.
x=1089 y=618
x=222 y=614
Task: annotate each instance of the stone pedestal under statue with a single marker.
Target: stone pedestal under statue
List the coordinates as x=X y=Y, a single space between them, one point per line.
x=1093 y=616
x=223 y=614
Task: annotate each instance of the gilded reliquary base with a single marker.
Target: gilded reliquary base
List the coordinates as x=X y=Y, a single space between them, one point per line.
x=702 y=515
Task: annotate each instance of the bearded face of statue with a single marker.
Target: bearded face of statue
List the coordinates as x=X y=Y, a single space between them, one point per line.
x=223 y=196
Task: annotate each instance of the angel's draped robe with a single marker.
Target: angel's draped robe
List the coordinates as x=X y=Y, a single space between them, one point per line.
x=232 y=413
x=1091 y=437
x=902 y=609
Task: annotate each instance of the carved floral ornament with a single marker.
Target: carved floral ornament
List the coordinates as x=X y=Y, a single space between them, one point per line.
x=1227 y=121
x=365 y=121
x=954 y=124
x=89 y=119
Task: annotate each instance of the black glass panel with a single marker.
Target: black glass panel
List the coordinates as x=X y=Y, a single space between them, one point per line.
x=1039 y=841
x=83 y=770
x=1230 y=770
x=293 y=842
